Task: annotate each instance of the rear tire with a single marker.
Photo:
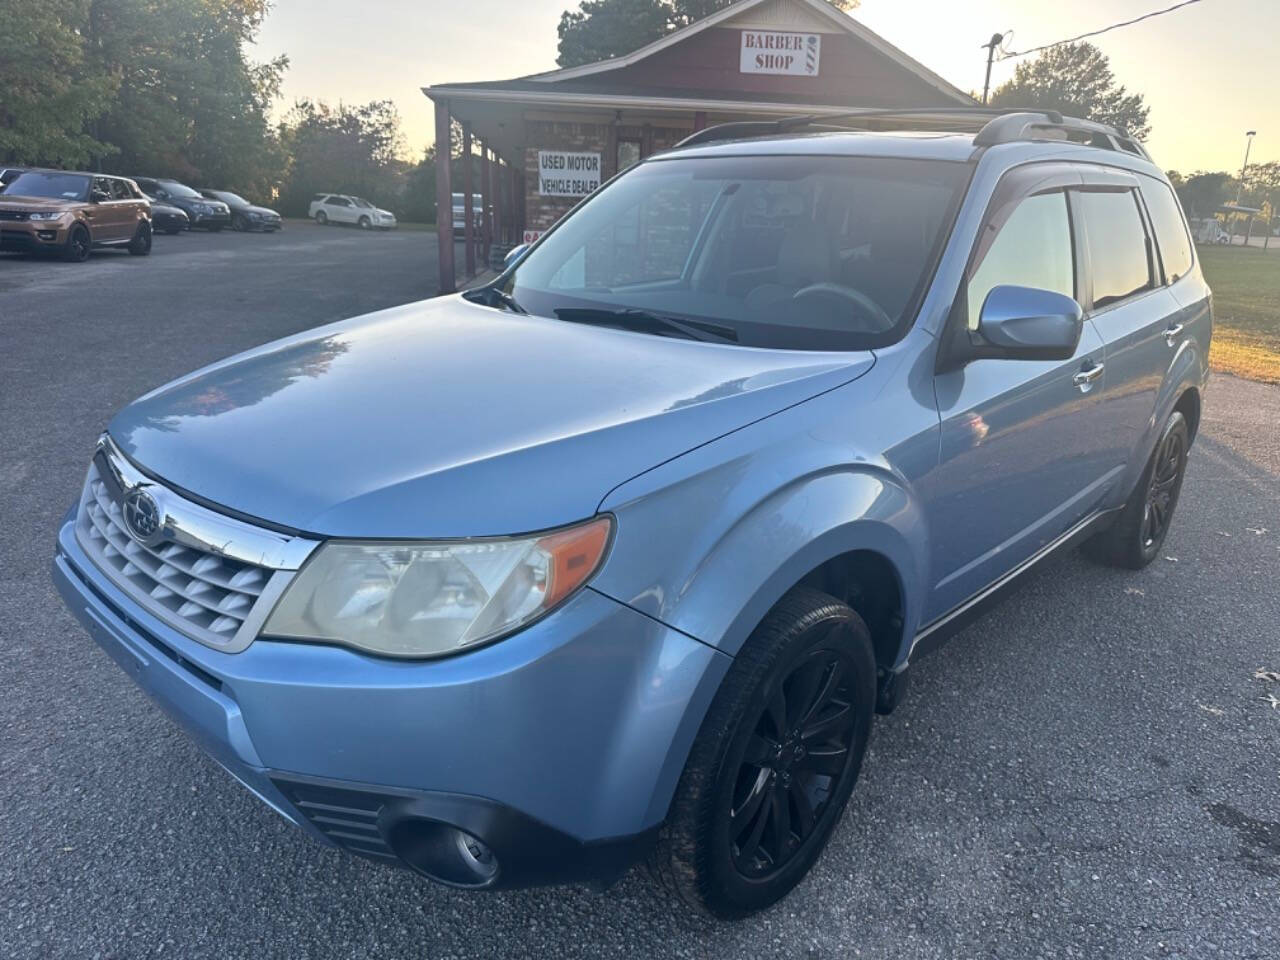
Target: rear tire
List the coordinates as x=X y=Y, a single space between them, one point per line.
x=774 y=763
x=1137 y=535
x=79 y=244
x=140 y=245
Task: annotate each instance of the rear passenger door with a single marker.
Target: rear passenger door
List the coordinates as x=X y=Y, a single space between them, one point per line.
x=1133 y=311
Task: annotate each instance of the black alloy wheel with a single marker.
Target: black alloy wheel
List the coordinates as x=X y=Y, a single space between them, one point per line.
x=140 y=245
x=1162 y=493
x=801 y=744
x=1135 y=537
x=78 y=245
x=774 y=761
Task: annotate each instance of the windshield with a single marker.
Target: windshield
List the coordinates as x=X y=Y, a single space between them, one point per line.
x=226 y=196
x=796 y=252
x=175 y=189
x=63 y=186
x=361 y=202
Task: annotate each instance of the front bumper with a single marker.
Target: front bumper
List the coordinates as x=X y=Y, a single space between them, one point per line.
x=559 y=747
x=34 y=235
x=207 y=220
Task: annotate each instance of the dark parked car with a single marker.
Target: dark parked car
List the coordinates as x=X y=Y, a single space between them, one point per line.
x=201 y=211
x=169 y=219
x=246 y=215
x=10 y=174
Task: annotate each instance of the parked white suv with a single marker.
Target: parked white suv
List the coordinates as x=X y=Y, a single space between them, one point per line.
x=329 y=208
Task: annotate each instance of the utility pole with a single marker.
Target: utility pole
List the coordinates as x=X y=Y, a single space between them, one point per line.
x=1249 y=135
x=995 y=41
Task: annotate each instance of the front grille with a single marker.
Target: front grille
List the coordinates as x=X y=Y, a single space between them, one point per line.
x=202 y=594
x=13 y=215
x=347 y=817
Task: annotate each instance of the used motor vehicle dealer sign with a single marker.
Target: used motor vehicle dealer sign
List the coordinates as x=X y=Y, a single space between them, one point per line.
x=790 y=54
x=564 y=173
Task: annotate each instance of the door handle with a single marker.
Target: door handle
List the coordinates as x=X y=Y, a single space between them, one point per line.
x=1088 y=374
x=1172 y=333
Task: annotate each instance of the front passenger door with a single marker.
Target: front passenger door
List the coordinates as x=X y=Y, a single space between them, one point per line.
x=1021 y=459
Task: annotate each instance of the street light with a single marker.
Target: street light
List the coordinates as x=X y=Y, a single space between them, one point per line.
x=1249 y=135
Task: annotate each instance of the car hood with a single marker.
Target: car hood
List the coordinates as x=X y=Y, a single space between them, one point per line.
x=385 y=213
x=167 y=209
x=15 y=201
x=264 y=211
x=449 y=419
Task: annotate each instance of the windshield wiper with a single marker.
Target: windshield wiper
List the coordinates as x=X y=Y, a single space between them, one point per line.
x=493 y=297
x=630 y=318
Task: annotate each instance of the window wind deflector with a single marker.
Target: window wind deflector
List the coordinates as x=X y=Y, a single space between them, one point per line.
x=493 y=297
x=629 y=318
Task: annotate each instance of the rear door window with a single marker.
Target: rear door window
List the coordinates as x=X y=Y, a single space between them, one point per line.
x=1032 y=249
x=1119 y=255
x=1170 y=229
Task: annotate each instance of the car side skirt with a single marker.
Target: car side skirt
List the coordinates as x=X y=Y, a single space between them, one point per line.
x=934 y=635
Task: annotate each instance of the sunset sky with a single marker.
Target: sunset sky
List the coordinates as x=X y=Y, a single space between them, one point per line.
x=1209 y=72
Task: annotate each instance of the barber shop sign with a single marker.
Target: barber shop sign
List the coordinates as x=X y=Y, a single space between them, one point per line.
x=789 y=54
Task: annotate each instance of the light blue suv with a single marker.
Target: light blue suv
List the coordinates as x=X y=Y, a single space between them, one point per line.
x=616 y=557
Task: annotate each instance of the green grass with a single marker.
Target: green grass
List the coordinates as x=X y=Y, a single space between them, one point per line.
x=1246 y=309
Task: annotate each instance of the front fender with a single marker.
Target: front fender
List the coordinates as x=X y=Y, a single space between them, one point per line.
x=709 y=551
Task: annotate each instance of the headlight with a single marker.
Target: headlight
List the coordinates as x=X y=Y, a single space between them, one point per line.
x=423 y=599
x=46 y=215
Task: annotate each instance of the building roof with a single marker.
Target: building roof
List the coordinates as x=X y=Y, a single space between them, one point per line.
x=600 y=81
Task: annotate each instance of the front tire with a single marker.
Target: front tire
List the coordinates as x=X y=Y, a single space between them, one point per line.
x=365 y=223
x=140 y=245
x=79 y=244
x=1137 y=535
x=774 y=763
x=239 y=224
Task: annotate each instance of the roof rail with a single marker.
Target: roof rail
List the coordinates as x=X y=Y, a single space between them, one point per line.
x=993 y=125
x=1051 y=125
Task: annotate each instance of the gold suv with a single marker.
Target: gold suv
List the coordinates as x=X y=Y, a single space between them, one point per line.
x=68 y=213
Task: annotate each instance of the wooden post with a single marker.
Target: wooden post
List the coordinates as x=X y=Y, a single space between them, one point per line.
x=444 y=199
x=486 y=204
x=468 y=232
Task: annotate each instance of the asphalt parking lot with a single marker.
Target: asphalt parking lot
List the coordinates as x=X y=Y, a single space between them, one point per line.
x=1092 y=770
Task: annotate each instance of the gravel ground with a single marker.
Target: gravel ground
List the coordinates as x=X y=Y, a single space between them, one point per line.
x=1091 y=770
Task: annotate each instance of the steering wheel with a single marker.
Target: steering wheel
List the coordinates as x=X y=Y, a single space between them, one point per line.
x=856 y=297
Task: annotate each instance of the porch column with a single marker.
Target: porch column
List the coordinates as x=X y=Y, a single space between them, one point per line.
x=500 y=189
x=467 y=212
x=699 y=120
x=486 y=228
x=444 y=199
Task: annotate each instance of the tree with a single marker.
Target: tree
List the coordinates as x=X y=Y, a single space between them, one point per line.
x=347 y=149
x=1075 y=79
x=1204 y=191
x=601 y=29
x=49 y=92
x=190 y=103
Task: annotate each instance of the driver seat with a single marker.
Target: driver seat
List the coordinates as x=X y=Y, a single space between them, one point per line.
x=805 y=257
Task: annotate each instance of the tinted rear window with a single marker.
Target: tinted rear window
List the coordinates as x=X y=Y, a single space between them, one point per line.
x=1171 y=231
x=1117 y=245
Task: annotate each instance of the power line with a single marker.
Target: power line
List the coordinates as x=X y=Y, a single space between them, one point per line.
x=1094 y=33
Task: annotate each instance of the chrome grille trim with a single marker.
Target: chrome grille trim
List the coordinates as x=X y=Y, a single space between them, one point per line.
x=211 y=577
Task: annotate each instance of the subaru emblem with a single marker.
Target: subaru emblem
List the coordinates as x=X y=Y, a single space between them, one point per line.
x=141 y=515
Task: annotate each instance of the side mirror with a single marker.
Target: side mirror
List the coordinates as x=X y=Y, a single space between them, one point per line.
x=513 y=255
x=1016 y=323
x=1026 y=323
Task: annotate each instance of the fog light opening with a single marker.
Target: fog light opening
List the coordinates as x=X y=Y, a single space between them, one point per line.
x=444 y=853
